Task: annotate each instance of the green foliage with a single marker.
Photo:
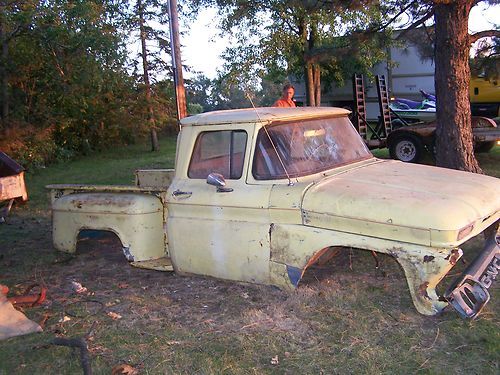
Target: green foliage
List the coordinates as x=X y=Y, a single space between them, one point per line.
x=155 y=18
x=225 y=93
x=486 y=62
x=35 y=149
x=66 y=76
x=285 y=36
x=199 y=91
x=194 y=108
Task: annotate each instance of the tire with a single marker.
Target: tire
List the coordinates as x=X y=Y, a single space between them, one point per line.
x=484 y=146
x=407 y=148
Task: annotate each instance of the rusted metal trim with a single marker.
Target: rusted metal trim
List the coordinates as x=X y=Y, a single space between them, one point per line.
x=27 y=299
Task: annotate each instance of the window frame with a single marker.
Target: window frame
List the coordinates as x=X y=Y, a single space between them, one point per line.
x=233 y=174
x=258 y=135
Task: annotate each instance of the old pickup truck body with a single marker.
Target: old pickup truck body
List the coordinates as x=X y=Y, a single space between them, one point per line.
x=259 y=195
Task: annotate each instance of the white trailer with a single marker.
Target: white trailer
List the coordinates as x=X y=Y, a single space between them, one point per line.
x=406 y=73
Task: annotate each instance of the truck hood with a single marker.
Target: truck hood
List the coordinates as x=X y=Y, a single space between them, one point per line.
x=405 y=202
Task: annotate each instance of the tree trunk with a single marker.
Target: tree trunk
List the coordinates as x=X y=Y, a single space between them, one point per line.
x=4 y=93
x=317 y=85
x=303 y=31
x=307 y=84
x=311 y=97
x=454 y=143
x=313 y=84
x=155 y=146
x=313 y=80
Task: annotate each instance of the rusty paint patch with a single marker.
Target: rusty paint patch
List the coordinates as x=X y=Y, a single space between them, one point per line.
x=453 y=257
x=271 y=228
x=428 y=258
x=422 y=290
x=322 y=257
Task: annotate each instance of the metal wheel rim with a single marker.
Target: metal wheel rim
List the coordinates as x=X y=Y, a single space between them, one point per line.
x=406 y=150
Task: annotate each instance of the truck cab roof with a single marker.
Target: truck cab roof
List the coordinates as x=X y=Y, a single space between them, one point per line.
x=262 y=115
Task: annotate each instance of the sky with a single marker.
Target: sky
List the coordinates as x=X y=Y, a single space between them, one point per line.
x=202 y=44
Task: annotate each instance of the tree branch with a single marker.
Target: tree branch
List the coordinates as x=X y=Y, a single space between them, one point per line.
x=327 y=53
x=293 y=29
x=401 y=11
x=417 y=23
x=483 y=34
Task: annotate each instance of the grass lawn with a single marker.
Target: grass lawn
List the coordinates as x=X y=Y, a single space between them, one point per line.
x=347 y=318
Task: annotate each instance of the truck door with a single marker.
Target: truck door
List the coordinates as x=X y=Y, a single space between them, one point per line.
x=218 y=233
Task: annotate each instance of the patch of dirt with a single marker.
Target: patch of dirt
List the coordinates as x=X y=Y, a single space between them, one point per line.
x=111 y=289
x=137 y=295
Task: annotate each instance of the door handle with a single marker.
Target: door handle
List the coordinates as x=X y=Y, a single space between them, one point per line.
x=181 y=194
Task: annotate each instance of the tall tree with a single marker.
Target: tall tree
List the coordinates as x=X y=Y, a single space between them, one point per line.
x=150 y=19
x=155 y=146
x=452 y=43
x=454 y=141
x=286 y=35
x=15 y=18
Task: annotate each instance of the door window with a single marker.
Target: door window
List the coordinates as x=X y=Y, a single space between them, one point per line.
x=218 y=152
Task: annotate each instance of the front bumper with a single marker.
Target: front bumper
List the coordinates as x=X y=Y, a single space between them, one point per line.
x=469 y=293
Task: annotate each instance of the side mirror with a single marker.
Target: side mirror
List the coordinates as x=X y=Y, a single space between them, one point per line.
x=216 y=179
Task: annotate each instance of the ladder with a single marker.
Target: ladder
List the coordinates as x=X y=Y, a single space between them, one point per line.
x=384 y=126
x=360 y=106
x=370 y=134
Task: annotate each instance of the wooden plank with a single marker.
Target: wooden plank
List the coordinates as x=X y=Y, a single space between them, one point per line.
x=13 y=187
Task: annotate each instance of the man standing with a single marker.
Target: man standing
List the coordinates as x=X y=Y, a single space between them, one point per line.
x=286 y=97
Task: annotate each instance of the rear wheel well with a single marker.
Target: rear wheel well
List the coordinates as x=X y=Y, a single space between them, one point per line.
x=88 y=238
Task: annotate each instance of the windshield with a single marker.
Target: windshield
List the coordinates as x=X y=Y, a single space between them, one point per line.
x=306 y=147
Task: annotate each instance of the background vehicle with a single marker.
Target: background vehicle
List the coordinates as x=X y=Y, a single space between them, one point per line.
x=406 y=137
x=484 y=97
x=407 y=73
x=409 y=143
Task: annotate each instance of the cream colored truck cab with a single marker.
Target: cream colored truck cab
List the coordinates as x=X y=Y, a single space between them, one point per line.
x=259 y=195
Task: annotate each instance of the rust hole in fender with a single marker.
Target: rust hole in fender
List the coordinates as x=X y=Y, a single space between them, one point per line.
x=352 y=268
x=101 y=244
x=422 y=289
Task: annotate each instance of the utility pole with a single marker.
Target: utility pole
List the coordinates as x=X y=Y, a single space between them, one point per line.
x=180 y=91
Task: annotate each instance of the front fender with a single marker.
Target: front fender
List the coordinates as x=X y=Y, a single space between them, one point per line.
x=296 y=247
